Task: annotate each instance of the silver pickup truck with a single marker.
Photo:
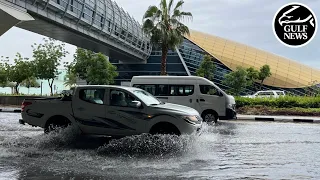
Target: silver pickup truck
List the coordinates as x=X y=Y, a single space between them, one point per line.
x=112 y=111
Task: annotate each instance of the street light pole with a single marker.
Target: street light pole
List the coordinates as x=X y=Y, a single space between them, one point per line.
x=41 y=88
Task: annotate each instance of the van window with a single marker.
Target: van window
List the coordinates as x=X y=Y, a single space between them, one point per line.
x=181 y=90
x=265 y=94
x=280 y=93
x=95 y=96
x=162 y=90
x=147 y=87
x=209 y=90
x=155 y=90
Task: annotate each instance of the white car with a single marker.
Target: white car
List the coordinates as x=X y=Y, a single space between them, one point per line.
x=112 y=111
x=267 y=94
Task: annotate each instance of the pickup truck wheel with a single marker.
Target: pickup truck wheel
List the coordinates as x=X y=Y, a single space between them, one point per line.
x=165 y=128
x=210 y=116
x=56 y=122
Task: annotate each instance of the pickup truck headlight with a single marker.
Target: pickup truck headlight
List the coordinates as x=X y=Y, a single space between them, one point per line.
x=190 y=118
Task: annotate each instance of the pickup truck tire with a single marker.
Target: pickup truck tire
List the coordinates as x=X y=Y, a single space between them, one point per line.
x=56 y=122
x=164 y=128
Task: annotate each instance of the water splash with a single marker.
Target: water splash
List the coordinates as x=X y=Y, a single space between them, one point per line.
x=57 y=139
x=148 y=145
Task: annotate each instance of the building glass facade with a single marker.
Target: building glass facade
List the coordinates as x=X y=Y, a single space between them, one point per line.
x=192 y=55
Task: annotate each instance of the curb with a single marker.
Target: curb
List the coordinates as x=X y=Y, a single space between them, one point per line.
x=10 y=110
x=272 y=119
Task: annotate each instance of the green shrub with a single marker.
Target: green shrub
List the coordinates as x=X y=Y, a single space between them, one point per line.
x=281 y=102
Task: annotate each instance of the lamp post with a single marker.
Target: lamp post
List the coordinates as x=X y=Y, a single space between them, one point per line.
x=41 y=87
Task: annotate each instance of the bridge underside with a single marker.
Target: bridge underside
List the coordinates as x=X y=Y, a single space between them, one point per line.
x=51 y=29
x=13 y=15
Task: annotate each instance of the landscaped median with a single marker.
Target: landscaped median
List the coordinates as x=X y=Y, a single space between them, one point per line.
x=287 y=105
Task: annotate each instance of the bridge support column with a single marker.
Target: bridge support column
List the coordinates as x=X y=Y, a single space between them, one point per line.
x=11 y=15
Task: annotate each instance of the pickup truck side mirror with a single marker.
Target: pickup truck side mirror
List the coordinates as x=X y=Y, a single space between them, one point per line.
x=135 y=104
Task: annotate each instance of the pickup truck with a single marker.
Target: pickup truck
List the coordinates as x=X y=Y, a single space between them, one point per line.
x=111 y=111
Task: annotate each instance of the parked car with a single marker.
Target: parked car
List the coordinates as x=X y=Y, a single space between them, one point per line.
x=267 y=94
x=112 y=111
x=192 y=91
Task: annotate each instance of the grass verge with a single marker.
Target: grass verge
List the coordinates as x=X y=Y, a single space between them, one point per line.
x=264 y=110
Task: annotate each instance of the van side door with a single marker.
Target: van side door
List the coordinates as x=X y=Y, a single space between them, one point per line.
x=182 y=94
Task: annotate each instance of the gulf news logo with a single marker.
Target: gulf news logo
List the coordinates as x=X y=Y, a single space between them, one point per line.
x=295 y=25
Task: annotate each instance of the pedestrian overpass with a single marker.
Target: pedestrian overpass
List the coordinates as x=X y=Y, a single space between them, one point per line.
x=97 y=25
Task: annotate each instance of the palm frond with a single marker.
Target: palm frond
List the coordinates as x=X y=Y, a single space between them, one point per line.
x=152 y=10
x=179 y=5
x=170 y=5
x=182 y=15
x=163 y=5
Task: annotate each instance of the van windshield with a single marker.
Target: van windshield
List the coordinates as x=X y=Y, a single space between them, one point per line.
x=146 y=97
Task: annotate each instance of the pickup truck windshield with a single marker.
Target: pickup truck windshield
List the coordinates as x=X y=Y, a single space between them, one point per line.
x=146 y=97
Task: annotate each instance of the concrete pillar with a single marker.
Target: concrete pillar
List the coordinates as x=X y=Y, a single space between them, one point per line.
x=11 y=15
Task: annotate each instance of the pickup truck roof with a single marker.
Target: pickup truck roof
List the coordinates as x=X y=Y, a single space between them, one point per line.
x=109 y=86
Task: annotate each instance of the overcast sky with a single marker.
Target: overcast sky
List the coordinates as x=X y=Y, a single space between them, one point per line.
x=244 y=21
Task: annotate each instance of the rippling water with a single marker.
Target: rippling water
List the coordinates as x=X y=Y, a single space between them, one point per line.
x=228 y=150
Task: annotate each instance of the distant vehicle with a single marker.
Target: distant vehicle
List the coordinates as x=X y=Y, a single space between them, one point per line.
x=192 y=91
x=267 y=94
x=112 y=111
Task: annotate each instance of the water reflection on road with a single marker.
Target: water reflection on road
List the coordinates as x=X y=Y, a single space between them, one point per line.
x=228 y=150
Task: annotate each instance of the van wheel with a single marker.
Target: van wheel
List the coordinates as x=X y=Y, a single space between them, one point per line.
x=210 y=116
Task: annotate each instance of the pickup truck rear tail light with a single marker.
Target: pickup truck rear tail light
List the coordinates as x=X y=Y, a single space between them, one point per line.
x=24 y=105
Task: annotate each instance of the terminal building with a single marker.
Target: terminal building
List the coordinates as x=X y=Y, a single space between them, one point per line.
x=287 y=75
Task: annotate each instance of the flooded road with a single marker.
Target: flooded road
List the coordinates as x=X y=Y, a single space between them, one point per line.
x=228 y=150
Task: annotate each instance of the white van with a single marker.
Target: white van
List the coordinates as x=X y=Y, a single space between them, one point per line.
x=193 y=91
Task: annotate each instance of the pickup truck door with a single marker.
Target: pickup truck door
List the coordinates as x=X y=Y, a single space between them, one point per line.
x=126 y=120
x=89 y=110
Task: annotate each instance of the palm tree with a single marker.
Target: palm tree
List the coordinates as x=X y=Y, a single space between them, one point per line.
x=70 y=79
x=164 y=26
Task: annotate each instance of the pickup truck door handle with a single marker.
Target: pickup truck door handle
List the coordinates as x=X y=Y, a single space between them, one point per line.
x=202 y=100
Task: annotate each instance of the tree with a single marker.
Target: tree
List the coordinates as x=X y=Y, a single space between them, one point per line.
x=313 y=89
x=253 y=75
x=30 y=82
x=81 y=63
x=236 y=81
x=21 y=70
x=264 y=73
x=47 y=59
x=70 y=79
x=93 y=67
x=3 y=74
x=207 y=68
x=165 y=28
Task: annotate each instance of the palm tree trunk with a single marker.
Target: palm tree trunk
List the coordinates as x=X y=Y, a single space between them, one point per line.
x=261 y=84
x=164 y=60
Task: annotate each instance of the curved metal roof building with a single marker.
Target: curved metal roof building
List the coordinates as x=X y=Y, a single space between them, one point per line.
x=286 y=73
